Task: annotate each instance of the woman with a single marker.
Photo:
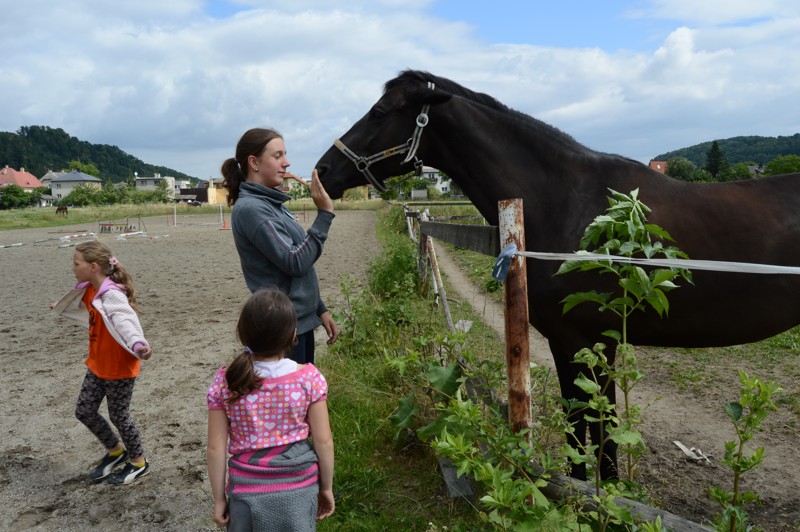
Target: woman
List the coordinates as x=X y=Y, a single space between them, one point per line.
x=274 y=250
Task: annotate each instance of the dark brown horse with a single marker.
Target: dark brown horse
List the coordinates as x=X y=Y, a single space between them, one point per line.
x=494 y=153
x=62 y=209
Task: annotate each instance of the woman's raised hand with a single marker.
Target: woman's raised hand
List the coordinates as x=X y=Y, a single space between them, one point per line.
x=319 y=194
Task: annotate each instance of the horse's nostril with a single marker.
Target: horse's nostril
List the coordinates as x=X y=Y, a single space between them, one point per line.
x=322 y=169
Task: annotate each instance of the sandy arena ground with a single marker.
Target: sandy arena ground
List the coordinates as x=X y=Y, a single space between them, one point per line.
x=190 y=289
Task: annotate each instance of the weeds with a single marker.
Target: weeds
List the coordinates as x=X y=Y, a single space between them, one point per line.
x=396 y=340
x=623 y=231
x=754 y=405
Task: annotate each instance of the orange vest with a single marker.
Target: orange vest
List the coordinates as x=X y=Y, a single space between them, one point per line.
x=107 y=359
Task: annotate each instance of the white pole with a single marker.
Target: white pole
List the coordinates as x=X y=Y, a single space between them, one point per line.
x=220 y=214
x=174 y=215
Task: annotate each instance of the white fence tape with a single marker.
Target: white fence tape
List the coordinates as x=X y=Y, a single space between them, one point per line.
x=718 y=266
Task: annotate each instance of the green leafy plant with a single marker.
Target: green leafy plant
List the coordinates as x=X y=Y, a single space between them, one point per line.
x=623 y=231
x=428 y=370
x=754 y=405
x=480 y=443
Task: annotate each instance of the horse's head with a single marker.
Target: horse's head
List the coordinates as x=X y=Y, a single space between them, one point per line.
x=384 y=142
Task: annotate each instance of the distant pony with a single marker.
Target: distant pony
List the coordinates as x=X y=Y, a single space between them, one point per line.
x=62 y=209
x=492 y=152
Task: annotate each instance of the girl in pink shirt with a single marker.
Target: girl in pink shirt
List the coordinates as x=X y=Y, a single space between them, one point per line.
x=262 y=409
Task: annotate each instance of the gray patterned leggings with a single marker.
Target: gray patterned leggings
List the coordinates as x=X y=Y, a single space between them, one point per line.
x=118 y=394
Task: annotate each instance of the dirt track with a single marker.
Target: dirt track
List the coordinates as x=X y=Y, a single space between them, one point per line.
x=190 y=288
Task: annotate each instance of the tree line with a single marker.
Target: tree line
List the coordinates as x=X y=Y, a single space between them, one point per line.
x=759 y=150
x=15 y=197
x=717 y=167
x=39 y=149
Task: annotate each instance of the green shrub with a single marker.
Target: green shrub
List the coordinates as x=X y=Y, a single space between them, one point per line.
x=394 y=273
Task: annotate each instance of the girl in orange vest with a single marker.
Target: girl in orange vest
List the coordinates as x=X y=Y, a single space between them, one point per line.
x=104 y=302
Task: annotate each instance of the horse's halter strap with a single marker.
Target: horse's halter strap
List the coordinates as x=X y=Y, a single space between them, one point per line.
x=410 y=146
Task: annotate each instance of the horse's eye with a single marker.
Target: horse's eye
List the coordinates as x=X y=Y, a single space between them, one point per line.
x=377 y=112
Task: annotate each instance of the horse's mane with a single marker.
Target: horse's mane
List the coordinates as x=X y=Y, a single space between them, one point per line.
x=408 y=77
x=411 y=77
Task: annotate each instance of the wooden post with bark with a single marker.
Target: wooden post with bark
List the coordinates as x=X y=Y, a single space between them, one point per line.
x=518 y=359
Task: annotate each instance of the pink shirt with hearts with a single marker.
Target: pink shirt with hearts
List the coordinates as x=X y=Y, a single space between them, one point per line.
x=274 y=414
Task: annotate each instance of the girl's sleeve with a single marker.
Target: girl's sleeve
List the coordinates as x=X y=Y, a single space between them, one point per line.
x=215 y=396
x=124 y=318
x=319 y=387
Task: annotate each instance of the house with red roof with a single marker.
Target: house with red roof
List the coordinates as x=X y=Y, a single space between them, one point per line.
x=291 y=181
x=25 y=180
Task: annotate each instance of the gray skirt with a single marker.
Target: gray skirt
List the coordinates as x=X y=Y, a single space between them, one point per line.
x=274 y=489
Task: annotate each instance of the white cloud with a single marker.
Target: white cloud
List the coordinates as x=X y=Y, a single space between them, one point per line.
x=718 y=12
x=175 y=87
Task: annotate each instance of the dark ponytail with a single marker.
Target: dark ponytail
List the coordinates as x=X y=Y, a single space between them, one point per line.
x=266 y=328
x=232 y=177
x=241 y=376
x=234 y=169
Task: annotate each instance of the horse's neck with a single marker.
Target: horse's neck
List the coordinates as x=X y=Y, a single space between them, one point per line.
x=497 y=156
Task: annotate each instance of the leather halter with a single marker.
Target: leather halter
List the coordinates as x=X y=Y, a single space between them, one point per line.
x=410 y=146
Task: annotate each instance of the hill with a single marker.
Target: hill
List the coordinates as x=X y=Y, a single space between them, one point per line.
x=759 y=150
x=41 y=148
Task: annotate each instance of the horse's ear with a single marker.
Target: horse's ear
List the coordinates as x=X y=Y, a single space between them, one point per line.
x=426 y=95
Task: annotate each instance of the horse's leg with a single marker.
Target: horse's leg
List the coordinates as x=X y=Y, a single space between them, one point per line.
x=608 y=459
x=566 y=370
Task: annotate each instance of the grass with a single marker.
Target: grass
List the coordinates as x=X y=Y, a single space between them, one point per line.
x=377 y=485
x=33 y=217
x=477 y=266
x=382 y=483
x=338 y=205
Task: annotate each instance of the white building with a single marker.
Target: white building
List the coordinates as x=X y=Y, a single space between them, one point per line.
x=49 y=176
x=152 y=183
x=62 y=185
x=182 y=183
x=436 y=179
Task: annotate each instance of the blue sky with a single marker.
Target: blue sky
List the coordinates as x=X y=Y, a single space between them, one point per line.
x=609 y=25
x=176 y=83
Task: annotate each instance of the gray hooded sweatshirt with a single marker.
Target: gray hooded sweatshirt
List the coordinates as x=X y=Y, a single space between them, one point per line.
x=275 y=251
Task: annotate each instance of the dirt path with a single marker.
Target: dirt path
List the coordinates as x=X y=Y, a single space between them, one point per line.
x=675 y=483
x=190 y=288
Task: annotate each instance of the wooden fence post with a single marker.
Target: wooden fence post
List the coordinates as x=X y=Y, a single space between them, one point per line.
x=422 y=257
x=512 y=231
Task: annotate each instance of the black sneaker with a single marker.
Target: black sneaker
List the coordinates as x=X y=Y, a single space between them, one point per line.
x=129 y=473
x=107 y=465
